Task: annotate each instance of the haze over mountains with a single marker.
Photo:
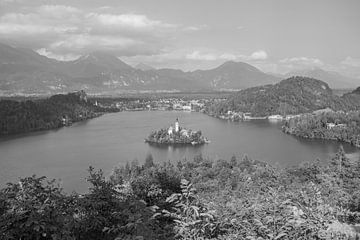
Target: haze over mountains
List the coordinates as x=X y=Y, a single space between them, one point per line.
x=25 y=71
x=143 y=66
x=334 y=79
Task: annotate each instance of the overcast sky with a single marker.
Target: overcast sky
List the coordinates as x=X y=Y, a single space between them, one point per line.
x=276 y=36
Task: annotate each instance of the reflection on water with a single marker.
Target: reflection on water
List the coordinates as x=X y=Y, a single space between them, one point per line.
x=115 y=138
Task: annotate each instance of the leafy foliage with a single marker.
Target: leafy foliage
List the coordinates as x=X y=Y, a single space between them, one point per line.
x=236 y=199
x=191 y=219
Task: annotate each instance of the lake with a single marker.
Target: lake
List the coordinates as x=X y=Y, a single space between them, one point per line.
x=115 y=138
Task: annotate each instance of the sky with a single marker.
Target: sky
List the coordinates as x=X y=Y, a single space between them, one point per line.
x=277 y=36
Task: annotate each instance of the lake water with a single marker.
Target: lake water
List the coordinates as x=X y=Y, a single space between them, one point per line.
x=113 y=139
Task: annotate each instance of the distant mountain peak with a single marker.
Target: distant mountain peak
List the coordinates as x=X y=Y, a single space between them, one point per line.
x=144 y=67
x=97 y=56
x=229 y=63
x=232 y=65
x=87 y=57
x=102 y=58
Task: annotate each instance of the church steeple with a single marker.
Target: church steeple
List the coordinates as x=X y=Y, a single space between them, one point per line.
x=177 y=125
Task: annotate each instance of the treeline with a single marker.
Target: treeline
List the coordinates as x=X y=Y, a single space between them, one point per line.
x=198 y=199
x=331 y=125
x=43 y=114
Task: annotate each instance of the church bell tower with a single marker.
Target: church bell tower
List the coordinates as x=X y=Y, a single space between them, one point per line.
x=177 y=125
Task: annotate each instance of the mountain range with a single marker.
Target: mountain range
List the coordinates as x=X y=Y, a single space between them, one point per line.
x=143 y=67
x=24 y=71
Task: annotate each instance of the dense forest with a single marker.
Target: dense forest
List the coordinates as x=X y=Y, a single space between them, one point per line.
x=197 y=199
x=44 y=114
x=331 y=125
x=294 y=95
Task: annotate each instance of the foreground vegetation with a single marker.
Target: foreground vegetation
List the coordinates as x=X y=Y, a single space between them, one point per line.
x=199 y=199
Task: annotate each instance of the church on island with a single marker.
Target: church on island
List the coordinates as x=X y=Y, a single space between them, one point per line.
x=176 y=129
x=176 y=135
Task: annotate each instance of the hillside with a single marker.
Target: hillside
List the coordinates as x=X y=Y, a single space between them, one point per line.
x=356 y=91
x=352 y=99
x=291 y=96
x=23 y=70
x=44 y=114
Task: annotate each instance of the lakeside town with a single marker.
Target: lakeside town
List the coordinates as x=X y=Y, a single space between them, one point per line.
x=180 y=104
x=187 y=105
x=200 y=105
x=160 y=104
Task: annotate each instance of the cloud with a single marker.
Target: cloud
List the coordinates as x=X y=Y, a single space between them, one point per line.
x=131 y=21
x=302 y=61
x=8 y=1
x=214 y=55
x=64 y=30
x=196 y=55
x=64 y=57
x=58 y=11
x=196 y=28
x=291 y=64
x=258 y=55
x=352 y=62
x=228 y=57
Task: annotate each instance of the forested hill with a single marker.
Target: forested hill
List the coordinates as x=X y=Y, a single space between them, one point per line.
x=54 y=112
x=356 y=91
x=352 y=99
x=290 y=96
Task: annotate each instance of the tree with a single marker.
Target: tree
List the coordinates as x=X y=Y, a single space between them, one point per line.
x=191 y=218
x=340 y=163
x=233 y=161
x=149 y=161
x=35 y=210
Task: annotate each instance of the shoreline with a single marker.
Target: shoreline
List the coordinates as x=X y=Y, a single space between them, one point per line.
x=288 y=131
x=15 y=134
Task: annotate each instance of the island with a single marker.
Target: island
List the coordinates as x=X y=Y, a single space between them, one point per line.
x=176 y=135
